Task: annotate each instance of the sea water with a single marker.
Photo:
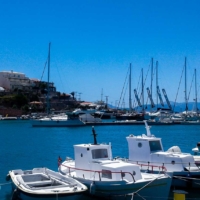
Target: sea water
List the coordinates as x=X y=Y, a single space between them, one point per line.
x=25 y=147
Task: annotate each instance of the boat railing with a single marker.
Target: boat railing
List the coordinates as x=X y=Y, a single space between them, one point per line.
x=146 y=166
x=152 y=168
x=71 y=169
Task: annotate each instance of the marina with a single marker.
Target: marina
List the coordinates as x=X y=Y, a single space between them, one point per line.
x=17 y=150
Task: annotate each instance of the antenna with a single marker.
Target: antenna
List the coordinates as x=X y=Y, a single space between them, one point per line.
x=147 y=128
x=80 y=96
x=94 y=134
x=106 y=99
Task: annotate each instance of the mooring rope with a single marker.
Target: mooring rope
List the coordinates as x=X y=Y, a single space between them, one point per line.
x=145 y=187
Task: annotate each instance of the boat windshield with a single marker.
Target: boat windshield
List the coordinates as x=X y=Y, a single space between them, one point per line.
x=155 y=146
x=99 y=153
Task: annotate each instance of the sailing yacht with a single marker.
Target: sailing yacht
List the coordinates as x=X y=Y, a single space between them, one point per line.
x=60 y=120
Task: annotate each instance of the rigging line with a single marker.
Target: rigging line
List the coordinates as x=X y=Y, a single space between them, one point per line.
x=60 y=77
x=122 y=89
x=134 y=102
x=146 y=75
x=190 y=87
x=178 y=88
x=125 y=90
x=44 y=69
x=144 y=84
x=147 y=102
x=139 y=80
x=138 y=87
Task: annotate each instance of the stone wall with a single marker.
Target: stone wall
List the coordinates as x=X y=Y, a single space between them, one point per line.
x=10 y=112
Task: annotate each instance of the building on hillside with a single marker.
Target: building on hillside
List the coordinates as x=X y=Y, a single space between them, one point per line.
x=42 y=87
x=10 y=81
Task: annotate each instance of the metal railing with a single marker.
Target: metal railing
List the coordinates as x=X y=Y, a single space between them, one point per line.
x=99 y=172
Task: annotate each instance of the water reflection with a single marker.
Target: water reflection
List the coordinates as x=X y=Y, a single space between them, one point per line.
x=191 y=194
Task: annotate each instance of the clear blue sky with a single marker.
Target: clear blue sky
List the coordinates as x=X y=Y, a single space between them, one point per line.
x=93 y=42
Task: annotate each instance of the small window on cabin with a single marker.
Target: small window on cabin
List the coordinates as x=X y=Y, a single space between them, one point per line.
x=139 y=144
x=99 y=153
x=106 y=174
x=155 y=146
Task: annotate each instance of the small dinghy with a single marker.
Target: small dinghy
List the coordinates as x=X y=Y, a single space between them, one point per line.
x=45 y=183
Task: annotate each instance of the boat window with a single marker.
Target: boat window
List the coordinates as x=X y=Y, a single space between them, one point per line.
x=99 y=153
x=155 y=146
x=106 y=174
x=139 y=144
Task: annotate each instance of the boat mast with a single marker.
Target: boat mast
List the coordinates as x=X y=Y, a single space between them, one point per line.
x=142 y=92
x=157 y=82
x=186 y=100
x=130 y=103
x=195 y=90
x=151 y=79
x=48 y=104
x=101 y=103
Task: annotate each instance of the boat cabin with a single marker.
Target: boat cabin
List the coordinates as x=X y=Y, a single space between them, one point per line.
x=147 y=149
x=141 y=147
x=94 y=161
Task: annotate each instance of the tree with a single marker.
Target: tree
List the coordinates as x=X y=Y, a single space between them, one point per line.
x=20 y=100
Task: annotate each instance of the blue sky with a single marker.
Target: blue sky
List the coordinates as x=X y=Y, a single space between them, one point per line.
x=94 y=41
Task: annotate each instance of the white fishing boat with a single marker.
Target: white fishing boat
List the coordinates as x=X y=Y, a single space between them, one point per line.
x=148 y=150
x=43 y=183
x=95 y=167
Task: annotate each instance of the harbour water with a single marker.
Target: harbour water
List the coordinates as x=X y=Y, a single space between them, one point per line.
x=25 y=147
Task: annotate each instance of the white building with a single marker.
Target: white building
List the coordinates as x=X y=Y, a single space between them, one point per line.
x=10 y=80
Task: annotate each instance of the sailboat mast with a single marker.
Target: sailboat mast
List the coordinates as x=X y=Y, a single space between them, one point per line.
x=195 y=90
x=48 y=104
x=151 y=79
x=130 y=103
x=142 y=92
x=157 y=82
x=186 y=100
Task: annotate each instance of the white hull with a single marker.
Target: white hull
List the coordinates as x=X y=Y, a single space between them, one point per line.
x=56 y=123
x=44 y=183
x=158 y=189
